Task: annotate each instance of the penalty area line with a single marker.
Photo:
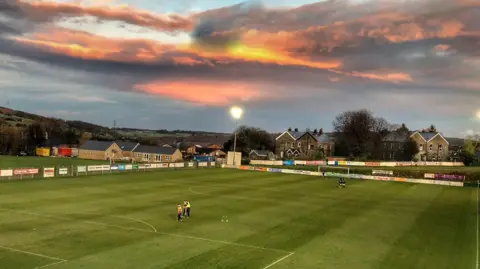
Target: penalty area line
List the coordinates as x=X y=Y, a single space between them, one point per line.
x=279 y=260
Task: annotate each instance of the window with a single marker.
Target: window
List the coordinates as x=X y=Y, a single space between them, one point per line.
x=430 y=148
x=168 y=158
x=391 y=145
x=440 y=147
x=311 y=146
x=299 y=144
x=420 y=148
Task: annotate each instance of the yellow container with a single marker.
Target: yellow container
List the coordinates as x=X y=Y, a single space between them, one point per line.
x=43 y=152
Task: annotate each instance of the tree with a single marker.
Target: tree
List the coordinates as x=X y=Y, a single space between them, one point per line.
x=320 y=131
x=250 y=138
x=403 y=128
x=296 y=129
x=354 y=130
x=409 y=150
x=315 y=131
x=470 y=149
x=290 y=129
x=432 y=129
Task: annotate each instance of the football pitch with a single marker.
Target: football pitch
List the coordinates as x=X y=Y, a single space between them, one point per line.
x=240 y=219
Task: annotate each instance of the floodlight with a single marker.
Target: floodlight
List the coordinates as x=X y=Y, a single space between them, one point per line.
x=236 y=112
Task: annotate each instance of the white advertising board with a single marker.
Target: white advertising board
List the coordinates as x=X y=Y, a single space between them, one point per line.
x=6 y=173
x=81 y=169
x=49 y=172
x=63 y=171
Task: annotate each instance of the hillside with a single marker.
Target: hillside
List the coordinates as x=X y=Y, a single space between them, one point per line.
x=57 y=128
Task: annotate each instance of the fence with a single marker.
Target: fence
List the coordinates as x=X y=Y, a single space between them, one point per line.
x=356 y=176
x=348 y=163
x=84 y=170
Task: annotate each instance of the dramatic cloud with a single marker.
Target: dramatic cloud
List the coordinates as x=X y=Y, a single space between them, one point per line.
x=262 y=57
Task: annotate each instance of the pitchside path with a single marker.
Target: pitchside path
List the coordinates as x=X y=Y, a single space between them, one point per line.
x=275 y=221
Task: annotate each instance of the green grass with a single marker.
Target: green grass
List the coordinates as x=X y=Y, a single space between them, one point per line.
x=103 y=222
x=34 y=162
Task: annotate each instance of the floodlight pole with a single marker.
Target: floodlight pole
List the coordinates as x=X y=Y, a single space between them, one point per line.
x=235 y=143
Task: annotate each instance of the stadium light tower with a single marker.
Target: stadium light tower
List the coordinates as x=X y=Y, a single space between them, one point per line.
x=236 y=113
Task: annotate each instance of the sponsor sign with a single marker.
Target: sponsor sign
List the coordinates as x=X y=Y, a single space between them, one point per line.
x=244 y=167
x=277 y=162
x=274 y=170
x=25 y=171
x=382 y=172
x=63 y=171
x=81 y=169
x=6 y=173
x=190 y=164
x=171 y=165
x=400 y=179
x=212 y=164
x=341 y=163
x=49 y=172
x=141 y=166
x=389 y=164
x=134 y=166
x=203 y=164
x=114 y=167
x=162 y=165
x=288 y=171
x=121 y=167
x=428 y=175
x=315 y=163
x=128 y=167
x=148 y=166
x=300 y=162
x=96 y=168
x=372 y=164
x=449 y=177
x=179 y=165
x=288 y=162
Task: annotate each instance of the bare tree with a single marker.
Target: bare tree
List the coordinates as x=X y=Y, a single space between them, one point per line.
x=355 y=129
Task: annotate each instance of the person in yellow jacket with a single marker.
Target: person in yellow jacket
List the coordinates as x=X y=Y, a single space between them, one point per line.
x=188 y=209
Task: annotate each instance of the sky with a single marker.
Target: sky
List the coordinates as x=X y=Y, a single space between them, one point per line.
x=182 y=64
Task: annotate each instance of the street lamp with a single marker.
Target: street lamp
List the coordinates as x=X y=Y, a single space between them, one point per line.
x=236 y=113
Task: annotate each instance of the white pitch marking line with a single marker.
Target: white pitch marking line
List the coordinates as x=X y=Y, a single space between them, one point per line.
x=279 y=260
x=122 y=217
x=50 y=264
x=33 y=254
x=145 y=231
x=192 y=191
x=478 y=208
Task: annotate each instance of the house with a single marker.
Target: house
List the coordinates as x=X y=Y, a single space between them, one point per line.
x=432 y=146
x=192 y=149
x=99 y=150
x=292 y=144
x=156 y=154
x=127 y=148
x=210 y=152
x=393 y=143
x=261 y=155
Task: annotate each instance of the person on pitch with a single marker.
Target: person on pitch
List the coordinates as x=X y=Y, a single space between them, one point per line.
x=179 y=212
x=188 y=209
x=185 y=207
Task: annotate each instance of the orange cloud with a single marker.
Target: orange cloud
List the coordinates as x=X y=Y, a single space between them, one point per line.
x=394 y=77
x=45 y=10
x=191 y=62
x=84 y=45
x=202 y=92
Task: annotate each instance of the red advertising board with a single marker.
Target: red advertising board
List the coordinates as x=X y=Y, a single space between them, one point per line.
x=372 y=164
x=315 y=163
x=25 y=171
x=65 y=152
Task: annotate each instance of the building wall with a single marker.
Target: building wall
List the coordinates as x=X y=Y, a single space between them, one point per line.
x=436 y=146
x=152 y=157
x=127 y=154
x=308 y=145
x=91 y=154
x=283 y=143
x=177 y=156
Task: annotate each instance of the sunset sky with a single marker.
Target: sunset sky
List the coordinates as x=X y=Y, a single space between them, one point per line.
x=181 y=64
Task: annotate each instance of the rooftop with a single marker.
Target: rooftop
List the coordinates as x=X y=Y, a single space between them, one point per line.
x=96 y=145
x=155 y=150
x=127 y=145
